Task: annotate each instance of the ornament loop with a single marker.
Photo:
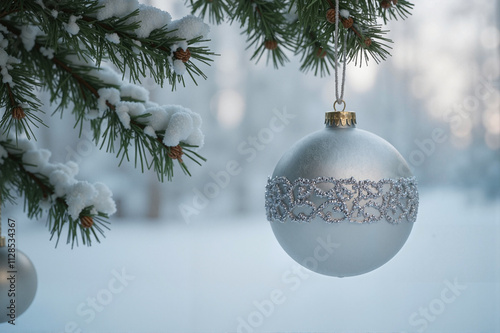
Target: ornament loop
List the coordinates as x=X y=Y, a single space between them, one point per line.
x=337 y=102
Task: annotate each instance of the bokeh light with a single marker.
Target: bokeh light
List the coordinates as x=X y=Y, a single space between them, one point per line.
x=230 y=108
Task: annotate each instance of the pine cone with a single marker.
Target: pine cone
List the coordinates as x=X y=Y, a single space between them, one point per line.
x=87 y=221
x=271 y=44
x=182 y=55
x=368 y=41
x=385 y=4
x=18 y=113
x=348 y=22
x=320 y=53
x=330 y=15
x=175 y=153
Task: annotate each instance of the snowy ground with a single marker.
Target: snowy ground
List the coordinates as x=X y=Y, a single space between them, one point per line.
x=231 y=275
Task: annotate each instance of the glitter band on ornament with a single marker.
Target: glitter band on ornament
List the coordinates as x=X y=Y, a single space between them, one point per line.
x=337 y=200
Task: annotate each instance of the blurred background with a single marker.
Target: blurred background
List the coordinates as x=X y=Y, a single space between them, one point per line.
x=199 y=254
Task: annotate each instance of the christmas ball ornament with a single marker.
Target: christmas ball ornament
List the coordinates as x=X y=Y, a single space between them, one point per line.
x=18 y=284
x=342 y=201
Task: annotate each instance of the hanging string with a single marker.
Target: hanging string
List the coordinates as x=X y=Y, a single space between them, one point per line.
x=339 y=99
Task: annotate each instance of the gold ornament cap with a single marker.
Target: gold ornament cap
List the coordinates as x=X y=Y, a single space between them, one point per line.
x=2 y=241
x=340 y=118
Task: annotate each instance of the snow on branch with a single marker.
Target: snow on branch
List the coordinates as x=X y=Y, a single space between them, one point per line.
x=139 y=118
x=48 y=187
x=68 y=48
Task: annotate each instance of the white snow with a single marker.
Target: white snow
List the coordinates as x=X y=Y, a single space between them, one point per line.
x=189 y=27
x=111 y=95
x=48 y=52
x=132 y=108
x=40 y=3
x=196 y=118
x=124 y=119
x=178 y=129
x=151 y=18
x=107 y=75
x=4 y=57
x=28 y=36
x=6 y=60
x=113 y=38
x=149 y=130
x=158 y=118
x=116 y=8
x=3 y=153
x=291 y=15
x=83 y=194
x=215 y=271
x=3 y=41
x=136 y=50
x=134 y=91
x=208 y=274
x=177 y=123
x=22 y=144
x=77 y=194
x=72 y=27
x=179 y=67
x=6 y=77
x=102 y=201
x=196 y=138
x=61 y=180
x=35 y=160
x=344 y=13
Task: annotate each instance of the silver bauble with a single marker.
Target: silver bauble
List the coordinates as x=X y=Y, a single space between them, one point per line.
x=341 y=201
x=25 y=284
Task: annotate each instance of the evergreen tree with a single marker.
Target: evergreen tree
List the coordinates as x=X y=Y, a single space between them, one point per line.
x=90 y=57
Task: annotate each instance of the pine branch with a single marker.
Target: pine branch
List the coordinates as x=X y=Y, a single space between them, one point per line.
x=216 y=10
x=76 y=30
x=16 y=92
x=64 y=48
x=156 y=47
x=162 y=161
x=302 y=27
x=38 y=187
x=77 y=82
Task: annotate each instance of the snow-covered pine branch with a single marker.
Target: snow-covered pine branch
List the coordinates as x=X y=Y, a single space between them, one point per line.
x=68 y=48
x=121 y=113
x=137 y=38
x=52 y=188
x=306 y=28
